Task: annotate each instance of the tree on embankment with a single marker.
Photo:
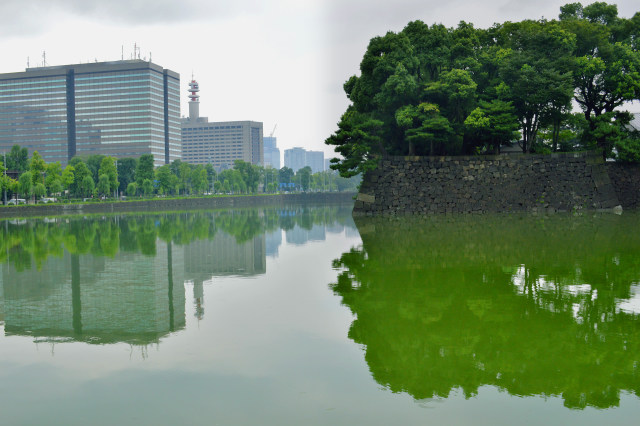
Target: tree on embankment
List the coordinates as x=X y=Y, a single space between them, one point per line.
x=432 y=90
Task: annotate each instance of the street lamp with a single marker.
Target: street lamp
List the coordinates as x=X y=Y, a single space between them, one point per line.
x=115 y=192
x=5 y=178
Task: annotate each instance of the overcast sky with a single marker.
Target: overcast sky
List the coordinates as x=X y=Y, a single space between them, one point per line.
x=278 y=61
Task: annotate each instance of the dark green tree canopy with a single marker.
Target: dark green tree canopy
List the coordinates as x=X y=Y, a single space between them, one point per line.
x=144 y=170
x=432 y=90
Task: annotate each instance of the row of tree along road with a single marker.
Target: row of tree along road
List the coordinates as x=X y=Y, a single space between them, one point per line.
x=25 y=177
x=432 y=90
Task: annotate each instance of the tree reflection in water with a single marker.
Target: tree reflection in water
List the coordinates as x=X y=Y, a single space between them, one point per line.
x=531 y=305
x=23 y=242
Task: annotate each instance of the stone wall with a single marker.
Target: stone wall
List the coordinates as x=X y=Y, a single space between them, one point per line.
x=501 y=183
x=626 y=181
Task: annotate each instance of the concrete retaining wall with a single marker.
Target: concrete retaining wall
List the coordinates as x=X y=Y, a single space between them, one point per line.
x=176 y=204
x=501 y=183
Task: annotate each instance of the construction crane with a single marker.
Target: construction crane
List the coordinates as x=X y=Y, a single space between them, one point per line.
x=273 y=131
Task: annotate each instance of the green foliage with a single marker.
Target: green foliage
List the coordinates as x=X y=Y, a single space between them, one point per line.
x=37 y=167
x=167 y=181
x=285 y=174
x=144 y=170
x=147 y=187
x=79 y=186
x=39 y=190
x=251 y=174
x=26 y=184
x=94 y=162
x=211 y=174
x=108 y=168
x=126 y=172
x=18 y=159
x=132 y=189
x=56 y=187
x=103 y=187
x=87 y=185
x=199 y=180
x=53 y=177
x=492 y=124
x=359 y=140
x=478 y=82
x=628 y=150
x=68 y=176
x=303 y=178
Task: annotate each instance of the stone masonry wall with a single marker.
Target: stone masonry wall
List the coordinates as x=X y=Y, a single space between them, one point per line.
x=501 y=183
x=626 y=181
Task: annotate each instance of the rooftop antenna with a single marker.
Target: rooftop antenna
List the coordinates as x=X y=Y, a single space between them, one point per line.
x=44 y=58
x=27 y=62
x=122 y=54
x=149 y=56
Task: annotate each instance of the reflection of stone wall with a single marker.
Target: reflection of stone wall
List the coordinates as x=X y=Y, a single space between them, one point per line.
x=128 y=298
x=516 y=182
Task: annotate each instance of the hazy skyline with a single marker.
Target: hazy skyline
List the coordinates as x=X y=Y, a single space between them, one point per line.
x=280 y=61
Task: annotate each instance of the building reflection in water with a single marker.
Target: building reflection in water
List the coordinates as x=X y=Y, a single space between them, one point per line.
x=122 y=278
x=129 y=298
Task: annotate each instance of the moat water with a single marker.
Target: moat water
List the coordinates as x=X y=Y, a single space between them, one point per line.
x=300 y=316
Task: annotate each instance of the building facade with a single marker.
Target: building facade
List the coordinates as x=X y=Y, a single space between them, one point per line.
x=297 y=158
x=219 y=143
x=315 y=160
x=271 y=152
x=121 y=109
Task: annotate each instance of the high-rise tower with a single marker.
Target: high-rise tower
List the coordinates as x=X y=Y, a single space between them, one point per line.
x=122 y=109
x=194 y=102
x=218 y=143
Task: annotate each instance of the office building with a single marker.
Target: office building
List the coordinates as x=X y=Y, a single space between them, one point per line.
x=122 y=109
x=315 y=160
x=297 y=158
x=271 y=152
x=219 y=143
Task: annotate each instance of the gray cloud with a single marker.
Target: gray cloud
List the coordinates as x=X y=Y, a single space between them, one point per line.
x=19 y=17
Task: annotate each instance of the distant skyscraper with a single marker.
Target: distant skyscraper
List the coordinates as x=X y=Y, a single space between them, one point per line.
x=271 y=152
x=120 y=108
x=315 y=160
x=297 y=158
x=219 y=143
